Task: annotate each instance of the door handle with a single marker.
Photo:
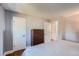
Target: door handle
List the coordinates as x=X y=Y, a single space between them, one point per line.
x=23 y=35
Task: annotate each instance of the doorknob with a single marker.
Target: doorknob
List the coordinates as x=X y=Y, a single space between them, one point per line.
x=23 y=35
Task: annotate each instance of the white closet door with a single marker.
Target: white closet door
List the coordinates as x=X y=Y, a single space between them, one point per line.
x=55 y=30
x=19 y=33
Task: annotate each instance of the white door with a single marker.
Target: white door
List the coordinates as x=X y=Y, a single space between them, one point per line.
x=19 y=33
x=55 y=30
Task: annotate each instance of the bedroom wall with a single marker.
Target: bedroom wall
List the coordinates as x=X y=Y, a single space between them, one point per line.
x=2 y=17
x=38 y=23
x=8 y=32
x=33 y=23
x=72 y=28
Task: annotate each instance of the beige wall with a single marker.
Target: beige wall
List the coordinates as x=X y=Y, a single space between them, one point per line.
x=72 y=28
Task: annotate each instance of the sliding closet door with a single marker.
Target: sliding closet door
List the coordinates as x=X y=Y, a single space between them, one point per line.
x=19 y=33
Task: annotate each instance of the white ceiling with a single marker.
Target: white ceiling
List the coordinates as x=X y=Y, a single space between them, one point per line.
x=44 y=10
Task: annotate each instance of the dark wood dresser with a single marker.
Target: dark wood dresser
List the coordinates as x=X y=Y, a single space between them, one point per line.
x=37 y=36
